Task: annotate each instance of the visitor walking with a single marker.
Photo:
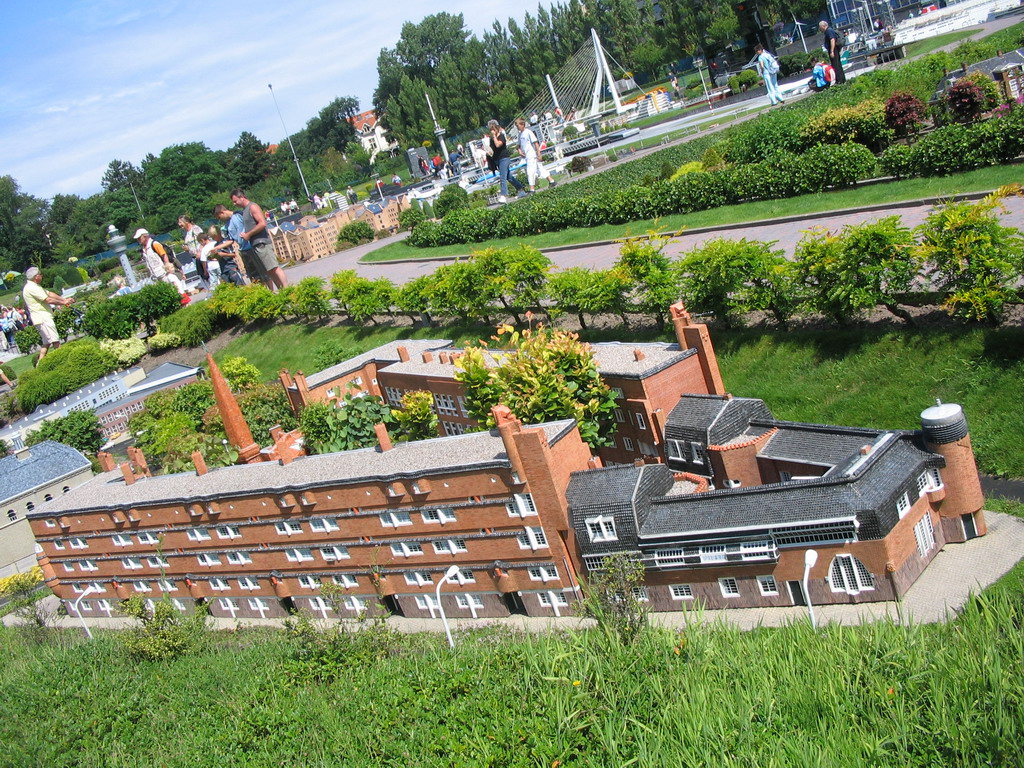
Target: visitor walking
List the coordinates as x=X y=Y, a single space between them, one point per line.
x=768 y=69
x=352 y=196
x=529 y=147
x=261 y=250
x=500 y=161
x=36 y=299
x=833 y=47
x=154 y=255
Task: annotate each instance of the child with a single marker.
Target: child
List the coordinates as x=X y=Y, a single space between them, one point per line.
x=206 y=246
x=223 y=251
x=172 y=278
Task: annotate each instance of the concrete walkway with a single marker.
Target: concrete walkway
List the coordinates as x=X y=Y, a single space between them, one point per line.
x=941 y=591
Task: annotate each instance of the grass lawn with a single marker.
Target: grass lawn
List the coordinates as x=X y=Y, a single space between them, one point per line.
x=20 y=364
x=921 y=47
x=875 y=194
x=859 y=377
x=882 y=694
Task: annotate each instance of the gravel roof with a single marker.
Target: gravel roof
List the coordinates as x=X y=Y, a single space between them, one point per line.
x=617 y=358
x=39 y=465
x=403 y=461
x=386 y=353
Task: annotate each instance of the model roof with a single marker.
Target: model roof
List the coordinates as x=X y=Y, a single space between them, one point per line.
x=618 y=358
x=386 y=353
x=37 y=466
x=403 y=461
x=714 y=419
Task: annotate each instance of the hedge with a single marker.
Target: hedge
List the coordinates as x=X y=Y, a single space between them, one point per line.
x=61 y=372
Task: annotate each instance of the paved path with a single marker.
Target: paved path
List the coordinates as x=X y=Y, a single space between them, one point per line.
x=786 y=232
x=944 y=587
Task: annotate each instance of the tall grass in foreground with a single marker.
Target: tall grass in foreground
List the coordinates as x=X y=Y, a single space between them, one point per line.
x=877 y=695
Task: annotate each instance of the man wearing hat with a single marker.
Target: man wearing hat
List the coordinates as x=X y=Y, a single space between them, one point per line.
x=36 y=299
x=154 y=254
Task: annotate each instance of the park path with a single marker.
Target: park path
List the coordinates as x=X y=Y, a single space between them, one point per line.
x=785 y=232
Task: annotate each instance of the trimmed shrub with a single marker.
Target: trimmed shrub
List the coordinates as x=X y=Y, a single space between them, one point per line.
x=63 y=371
x=356 y=233
x=950 y=149
x=159 y=342
x=452 y=198
x=795 y=63
x=125 y=351
x=308 y=298
x=193 y=324
x=904 y=113
x=156 y=300
x=965 y=100
x=694 y=166
x=116 y=318
x=580 y=164
x=899 y=161
x=864 y=124
x=27 y=338
x=424 y=235
x=410 y=218
x=8 y=372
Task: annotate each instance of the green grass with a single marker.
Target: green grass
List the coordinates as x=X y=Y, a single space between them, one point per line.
x=874 y=695
x=857 y=377
x=875 y=194
x=921 y=47
x=20 y=364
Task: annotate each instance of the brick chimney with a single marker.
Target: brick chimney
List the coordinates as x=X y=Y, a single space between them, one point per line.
x=692 y=335
x=509 y=426
x=383 y=437
x=200 y=463
x=138 y=458
x=638 y=355
x=428 y=356
x=403 y=354
x=126 y=471
x=107 y=463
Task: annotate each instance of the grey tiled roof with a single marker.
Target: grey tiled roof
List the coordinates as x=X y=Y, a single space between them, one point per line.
x=815 y=444
x=595 y=489
x=617 y=358
x=403 y=461
x=875 y=484
x=41 y=464
x=386 y=353
x=713 y=419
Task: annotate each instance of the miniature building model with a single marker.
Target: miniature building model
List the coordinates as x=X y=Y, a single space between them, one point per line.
x=722 y=511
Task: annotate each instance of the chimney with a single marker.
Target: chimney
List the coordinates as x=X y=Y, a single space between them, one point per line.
x=200 y=463
x=403 y=354
x=593 y=463
x=129 y=476
x=383 y=437
x=865 y=450
x=106 y=461
x=443 y=356
x=138 y=458
x=638 y=355
x=509 y=426
x=638 y=462
x=235 y=425
x=691 y=335
x=428 y=356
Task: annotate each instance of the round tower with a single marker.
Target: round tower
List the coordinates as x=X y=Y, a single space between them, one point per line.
x=944 y=427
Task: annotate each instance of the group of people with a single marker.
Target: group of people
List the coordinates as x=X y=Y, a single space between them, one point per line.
x=495 y=149
x=827 y=71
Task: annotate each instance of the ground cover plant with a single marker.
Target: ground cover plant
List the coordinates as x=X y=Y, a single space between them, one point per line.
x=876 y=695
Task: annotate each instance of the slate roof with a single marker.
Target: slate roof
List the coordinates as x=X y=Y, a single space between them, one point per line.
x=815 y=444
x=597 y=489
x=40 y=465
x=404 y=461
x=386 y=353
x=616 y=358
x=875 y=483
x=713 y=419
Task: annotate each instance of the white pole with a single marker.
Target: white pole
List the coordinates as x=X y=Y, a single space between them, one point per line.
x=704 y=85
x=810 y=558
x=602 y=61
x=800 y=29
x=448 y=575
x=90 y=590
x=290 y=145
x=595 y=96
x=554 y=96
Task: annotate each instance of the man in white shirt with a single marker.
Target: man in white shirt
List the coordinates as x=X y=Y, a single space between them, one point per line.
x=36 y=300
x=529 y=147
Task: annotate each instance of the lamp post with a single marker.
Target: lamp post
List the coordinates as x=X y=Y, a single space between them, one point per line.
x=90 y=590
x=290 y=145
x=448 y=575
x=810 y=558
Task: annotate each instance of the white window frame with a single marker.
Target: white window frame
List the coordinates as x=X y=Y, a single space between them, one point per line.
x=323 y=525
x=729 y=586
x=147 y=537
x=628 y=445
x=288 y=527
x=641 y=422
x=439 y=515
x=199 y=534
x=601 y=528
x=346 y=580
x=143 y=586
x=335 y=553
x=768 y=585
x=167 y=585
x=839 y=576
x=713 y=553
x=119 y=540
x=406 y=549
x=308 y=582
x=208 y=559
x=299 y=555
x=543 y=573
x=77 y=542
x=355 y=604
x=450 y=546
x=239 y=558
x=219 y=585
x=619 y=415
x=641 y=594
x=681 y=591
x=903 y=505
x=419 y=578
x=924 y=535
x=157 y=561
x=463 y=576
x=394 y=519
x=248 y=583
x=131 y=563
x=228 y=532
x=532 y=537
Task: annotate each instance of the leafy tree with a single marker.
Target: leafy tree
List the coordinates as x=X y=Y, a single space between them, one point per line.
x=356 y=233
x=23 y=228
x=24 y=593
x=971 y=257
x=588 y=292
x=309 y=298
x=344 y=427
x=79 y=429
x=248 y=161
x=417 y=418
x=642 y=260
x=182 y=180
x=452 y=198
x=413 y=297
x=461 y=290
x=542 y=375
x=516 y=276
x=240 y=373
x=374 y=297
x=610 y=598
x=731 y=277
x=330 y=128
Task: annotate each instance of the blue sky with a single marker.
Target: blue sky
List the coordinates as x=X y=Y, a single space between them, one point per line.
x=89 y=81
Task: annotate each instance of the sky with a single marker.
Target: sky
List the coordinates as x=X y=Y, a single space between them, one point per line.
x=85 y=82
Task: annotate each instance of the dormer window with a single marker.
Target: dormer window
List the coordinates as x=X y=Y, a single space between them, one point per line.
x=601 y=528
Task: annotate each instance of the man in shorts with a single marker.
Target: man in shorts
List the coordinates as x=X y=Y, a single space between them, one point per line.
x=260 y=259
x=36 y=300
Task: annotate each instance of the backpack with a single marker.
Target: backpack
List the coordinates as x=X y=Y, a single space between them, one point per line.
x=770 y=63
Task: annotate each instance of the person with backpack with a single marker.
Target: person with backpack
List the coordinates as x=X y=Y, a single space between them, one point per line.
x=822 y=75
x=768 y=69
x=154 y=255
x=834 y=42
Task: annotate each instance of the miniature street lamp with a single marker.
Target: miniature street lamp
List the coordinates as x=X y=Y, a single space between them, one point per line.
x=91 y=589
x=810 y=558
x=450 y=574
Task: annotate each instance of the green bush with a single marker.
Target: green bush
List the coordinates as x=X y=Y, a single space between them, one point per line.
x=79 y=429
x=354 y=234
x=452 y=198
x=8 y=372
x=308 y=298
x=126 y=352
x=864 y=124
x=116 y=318
x=66 y=320
x=159 y=342
x=193 y=324
x=580 y=164
x=164 y=633
x=410 y=218
x=28 y=338
x=156 y=300
x=899 y=160
x=61 y=372
x=946 y=150
x=794 y=63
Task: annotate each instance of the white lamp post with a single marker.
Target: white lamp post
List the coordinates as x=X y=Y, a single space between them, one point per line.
x=810 y=558
x=91 y=589
x=448 y=576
